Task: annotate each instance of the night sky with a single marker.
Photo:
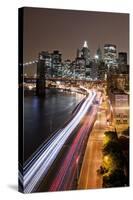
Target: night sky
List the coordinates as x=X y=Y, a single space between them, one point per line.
x=66 y=30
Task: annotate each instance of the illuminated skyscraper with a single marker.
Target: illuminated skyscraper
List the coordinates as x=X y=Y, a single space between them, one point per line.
x=110 y=54
x=86 y=53
x=49 y=65
x=56 y=64
x=99 y=54
x=82 y=69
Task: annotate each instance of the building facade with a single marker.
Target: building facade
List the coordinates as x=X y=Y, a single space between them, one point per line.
x=122 y=58
x=56 y=64
x=110 y=54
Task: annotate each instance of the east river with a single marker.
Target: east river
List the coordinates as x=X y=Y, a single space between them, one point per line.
x=44 y=115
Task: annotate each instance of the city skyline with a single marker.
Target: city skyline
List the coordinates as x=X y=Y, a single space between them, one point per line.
x=51 y=29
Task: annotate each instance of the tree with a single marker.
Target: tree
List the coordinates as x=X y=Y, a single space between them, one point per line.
x=116 y=178
x=111 y=135
x=113 y=161
x=111 y=147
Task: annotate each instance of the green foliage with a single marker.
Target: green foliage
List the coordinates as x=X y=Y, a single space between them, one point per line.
x=113 y=161
x=118 y=160
x=111 y=135
x=115 y=179
x=111 y=147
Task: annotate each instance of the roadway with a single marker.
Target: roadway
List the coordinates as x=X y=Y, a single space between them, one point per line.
x=89 y=179
x=69 y=168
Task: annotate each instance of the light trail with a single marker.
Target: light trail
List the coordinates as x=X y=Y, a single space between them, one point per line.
x=40 y=164
x=68 y=168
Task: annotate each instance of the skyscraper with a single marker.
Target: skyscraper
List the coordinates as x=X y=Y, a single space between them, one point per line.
x=86 y=53
x=56 y=63
x=82 y=69
x=110 y=54
x=99 y=54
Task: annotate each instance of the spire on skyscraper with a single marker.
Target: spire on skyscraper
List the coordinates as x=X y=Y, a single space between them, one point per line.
x=85 y=44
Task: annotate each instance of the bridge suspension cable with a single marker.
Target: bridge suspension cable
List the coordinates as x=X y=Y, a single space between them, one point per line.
x=29 y=63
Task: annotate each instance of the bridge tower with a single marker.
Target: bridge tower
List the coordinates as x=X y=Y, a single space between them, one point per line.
x=41 y=71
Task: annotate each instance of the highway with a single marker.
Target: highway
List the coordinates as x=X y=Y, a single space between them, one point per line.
x=69 y=168
x=35 y=170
